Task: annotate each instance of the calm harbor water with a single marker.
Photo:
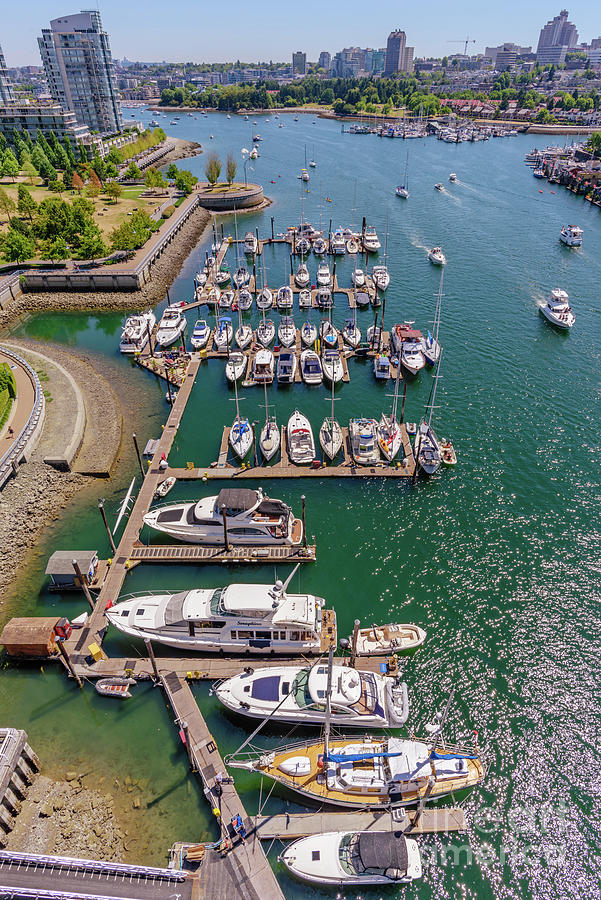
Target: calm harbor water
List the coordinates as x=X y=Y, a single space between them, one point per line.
x=497 y=559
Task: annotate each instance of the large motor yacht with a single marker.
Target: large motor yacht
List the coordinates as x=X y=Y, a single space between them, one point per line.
x=171 y=327
x=136 y=332
x=240 y=618
x=571 y=235
x=557 y=309
x=251 y=518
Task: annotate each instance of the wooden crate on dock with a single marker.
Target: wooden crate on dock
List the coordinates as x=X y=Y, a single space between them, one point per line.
x=33 y=637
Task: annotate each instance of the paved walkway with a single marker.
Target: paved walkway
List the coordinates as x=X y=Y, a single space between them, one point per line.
x=22 y=407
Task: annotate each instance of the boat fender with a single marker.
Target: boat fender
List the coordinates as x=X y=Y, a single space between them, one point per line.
x=320 y=761
x=109 y=604
x=248 y=670
x=244 y=704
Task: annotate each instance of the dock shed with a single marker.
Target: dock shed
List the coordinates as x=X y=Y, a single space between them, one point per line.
x=33 y=637
x=61 y=571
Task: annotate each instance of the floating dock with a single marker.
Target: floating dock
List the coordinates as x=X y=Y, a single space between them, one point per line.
x=194 y=553
x=290 y=826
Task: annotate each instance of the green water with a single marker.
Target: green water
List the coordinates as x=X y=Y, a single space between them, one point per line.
x=497 y=559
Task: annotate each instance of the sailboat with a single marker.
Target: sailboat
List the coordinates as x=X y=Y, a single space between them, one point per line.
x=402 y=190
x=244 y=333
x=330 y=433
x=241 y=435
x=427 y=446
x=365 y=772
x=390 y=436
x=431 y=349
x=308 y=332
x=312 y=163
x=269 y=440
x=351 y=333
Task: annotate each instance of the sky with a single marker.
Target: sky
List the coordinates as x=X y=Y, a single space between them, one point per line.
x=263 y=30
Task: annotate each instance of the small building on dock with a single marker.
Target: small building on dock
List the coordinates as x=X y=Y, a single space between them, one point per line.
x=32 y=637
x=62 y=573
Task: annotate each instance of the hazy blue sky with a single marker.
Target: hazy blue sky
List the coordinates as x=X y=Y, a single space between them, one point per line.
x=185 y=30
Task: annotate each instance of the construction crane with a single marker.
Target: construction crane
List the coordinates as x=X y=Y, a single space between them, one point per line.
x=465 y=42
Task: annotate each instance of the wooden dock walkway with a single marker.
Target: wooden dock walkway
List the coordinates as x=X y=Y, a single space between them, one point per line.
x=244 y=871
x=193 y=553
x=290 y=826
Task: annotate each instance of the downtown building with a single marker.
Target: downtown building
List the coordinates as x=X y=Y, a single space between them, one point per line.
x=556 y=38
x=399 y=57
x=79 y=69
x=6 y=88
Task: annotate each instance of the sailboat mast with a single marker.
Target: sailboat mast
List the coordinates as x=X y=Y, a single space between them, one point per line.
x=328 y=715
x=395 y=399
x=434 y=390
x=438 y=306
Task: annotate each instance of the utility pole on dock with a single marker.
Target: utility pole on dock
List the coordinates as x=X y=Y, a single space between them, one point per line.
x=65 y=656
x=106 y=524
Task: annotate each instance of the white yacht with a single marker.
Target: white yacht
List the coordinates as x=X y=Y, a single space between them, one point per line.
x=263 y=366
x=401 y=191
x=250 y=243
x=136 y=332
x=304 y=299
x=381 y=277
x=437 y=257
x=361 y=858
x=286 y=370
x=171 y=327
x=235 y=366
x=302 y=277
x=358 y=278
x=239 y=618
x=251 y=517
x=324 y=276
x=264 y=299
x=308 y=333
x=269 y=440
x=337 y=243
x=311 y=370
x=452 y=177
x=332 y=366
x=363 y=434
x=319 y=246
x=243 y=335
x=371 y=242
x=284 y=297
x=557 y=309
x=439 y=186
x=301 y=444
x=265 y=332
x=296 y=694
x=200 y=334
x=412 y=356
x=571 y=235
x=287 y=331
x=241 y=435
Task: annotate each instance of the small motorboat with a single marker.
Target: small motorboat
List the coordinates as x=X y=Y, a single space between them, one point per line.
x=235 y=367
x=264 y=299
x=308 y=333
x=164 y=487
x=245 y=299
x=287 y=331
x=319 y=246
x=411 y=427
x=382 y=640
x=265 y=332
x=557 y=309
x=311 y=370
x=329 y=333
x=401 y=191
x=439 y=186
x=452 y=177
x=115 y=687
x=301 y=444
x=382 y=367
x=364 y=443
x=323 y=298
x=571 y=235
x=337 y=243
x=200 y=334
x=333 y=369
x=412 y=356
x=286 y=368
x=171 y=327
x=304 y=299
x=371 y=241
x=449 y=457
x=243 y=336
x=285 y=297
x=352 y=247
x=269 y=440
x=358 y=278
x=263 y=366
x=324 y=276
x=171 y=396
x=437 y=257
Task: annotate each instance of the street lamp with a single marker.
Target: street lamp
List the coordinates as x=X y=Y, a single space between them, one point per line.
x=245 y=155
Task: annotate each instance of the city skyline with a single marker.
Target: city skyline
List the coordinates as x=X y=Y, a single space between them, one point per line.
x=138 y=38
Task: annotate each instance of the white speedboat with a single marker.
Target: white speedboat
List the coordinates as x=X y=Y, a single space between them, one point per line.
x=390 y=437
x=571 y=235
x=383 y=640
x=287 y=331
x=285 y=297
x=358 y=278
x=304 y=299
x=136 y=332
x=241 y=276
x=241 y=436
x=244 y=335
x=239 y=618
x=337 y=243
x=251 y=518
x=269 y=440
x=319 y=246
x=223 y=333
x=301 y=444
x=382 y=367
x=364 y=441
x=439 y=186
x=244 y=299
x=362 y=298
x=200 y=279
x=557 y=309
x=351 y=333
x=171 y=327
x=301 y=276
x=200 y=334
x=265 y=332
x=264 y=299
x=286 y=368
x=250 y=244
x=345 y=858
x=324 y=276
x=323 y=298
x=328 y=333
x=371 y=242
x=412 y=356
x=311 y=370
x=332 y=366
x=263 y=366
x=437 y=257
x=352 y=247
x=308 y=333
x=295 y=694
x=381 y=277
x=452 y=177
x=427 y=449
x=235 y=366
x=374 y=336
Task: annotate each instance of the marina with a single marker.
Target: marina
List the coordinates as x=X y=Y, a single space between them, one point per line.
x=382 y=550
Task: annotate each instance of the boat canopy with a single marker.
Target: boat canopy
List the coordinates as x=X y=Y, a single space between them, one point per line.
x=236 y=500
x=383 y=850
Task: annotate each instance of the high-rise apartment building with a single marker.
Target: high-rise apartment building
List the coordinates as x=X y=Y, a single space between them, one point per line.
x=557 y=36
x=399 y=57
x=299 y=63
x=6 y=90
x=325 y=60
x=79 y=69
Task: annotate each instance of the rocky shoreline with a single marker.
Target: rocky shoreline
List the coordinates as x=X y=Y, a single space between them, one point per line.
x=183 y=150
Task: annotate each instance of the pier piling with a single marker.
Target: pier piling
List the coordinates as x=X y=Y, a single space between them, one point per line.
x=138 y=449
x=83 y=582
x=106 y=525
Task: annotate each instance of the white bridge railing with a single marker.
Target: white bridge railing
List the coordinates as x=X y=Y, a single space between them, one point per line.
x=16 y=450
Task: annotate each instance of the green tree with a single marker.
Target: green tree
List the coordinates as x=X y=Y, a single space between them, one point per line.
x=92 y=190
x=172 y=171
x=594 y=143
x=17 y=247
x=185 y=181
x=30 y=171
x=68 y=179
x=26 y=205
x=90 y=244
x=114 y=190
x=10 y=166
x=7 y=204
x=132 y=173
x=231 y=167
x=213 y=168
x=55 y=249
x=134 y=232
